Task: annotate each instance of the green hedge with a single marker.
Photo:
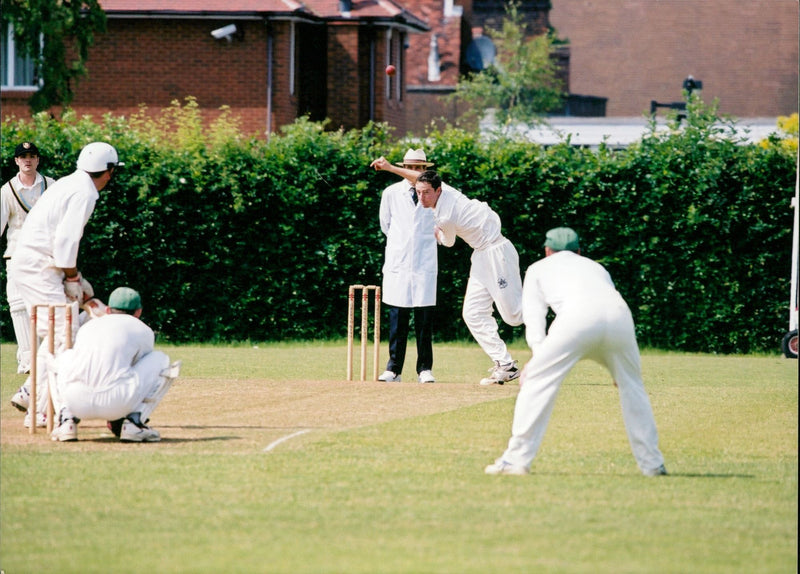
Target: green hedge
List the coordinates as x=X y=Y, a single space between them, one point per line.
x=232 y=239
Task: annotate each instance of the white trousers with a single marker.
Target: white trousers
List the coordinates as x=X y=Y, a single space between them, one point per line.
x=604 y=333
x=44 y=287
x=494 y=279
x=21 y=321
x=136 y=392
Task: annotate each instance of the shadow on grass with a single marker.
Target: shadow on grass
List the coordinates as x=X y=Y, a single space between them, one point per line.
x=705 y=475
x=113 y=439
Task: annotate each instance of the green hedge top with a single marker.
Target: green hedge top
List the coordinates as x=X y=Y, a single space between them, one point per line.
x=231 y=239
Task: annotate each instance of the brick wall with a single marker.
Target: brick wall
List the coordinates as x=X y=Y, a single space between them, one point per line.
x=344 y=98
x=389 y=91
x=634 y=51
x=155 y=62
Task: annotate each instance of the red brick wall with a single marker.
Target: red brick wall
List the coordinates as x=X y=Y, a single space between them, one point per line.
x=155 y=62
x=15 y=104
x=634 y=51
x=344 y=98
x=390 y=94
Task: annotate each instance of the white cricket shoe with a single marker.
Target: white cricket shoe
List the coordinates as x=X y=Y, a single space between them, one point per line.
x=502 y=467
x=41 y=420
x=501 y=373
x=426 y=377
x=389 y=377
x=21 y=399
x=67 y=431
x=131 y=432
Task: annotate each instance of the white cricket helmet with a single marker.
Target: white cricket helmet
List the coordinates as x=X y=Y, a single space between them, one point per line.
x=98 y=156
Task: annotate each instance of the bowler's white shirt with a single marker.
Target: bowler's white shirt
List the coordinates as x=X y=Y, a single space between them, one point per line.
x=53 y=229
x=470 y=219
x=105 y=349
x=566 y=282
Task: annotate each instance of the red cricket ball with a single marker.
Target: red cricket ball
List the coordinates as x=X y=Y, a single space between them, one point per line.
x=391 y=70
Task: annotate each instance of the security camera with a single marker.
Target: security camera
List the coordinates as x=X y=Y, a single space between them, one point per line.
x=226 y=32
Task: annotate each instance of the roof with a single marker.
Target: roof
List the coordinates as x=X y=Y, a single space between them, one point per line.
x=365 y=10
x=620 y=132
x=198 y=7
x=384 y=11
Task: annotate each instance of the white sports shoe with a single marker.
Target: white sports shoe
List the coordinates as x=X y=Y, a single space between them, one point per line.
x=41 y=420
x=67 y=431
x=501 y=373
x=21 y=399
x=426 y=377
x=502 y=467
x=389 y=377
x=131 y=432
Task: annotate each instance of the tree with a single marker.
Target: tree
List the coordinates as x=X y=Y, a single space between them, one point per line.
x=521 y=84
x=47 y=31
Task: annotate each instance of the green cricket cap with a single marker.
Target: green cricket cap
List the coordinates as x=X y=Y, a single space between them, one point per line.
x=125 y=299
x=562 y=239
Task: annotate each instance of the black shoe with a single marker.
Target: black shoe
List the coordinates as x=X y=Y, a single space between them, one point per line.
x=115 y=426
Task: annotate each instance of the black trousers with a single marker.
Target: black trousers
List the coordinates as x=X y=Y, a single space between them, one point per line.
x=399 y=319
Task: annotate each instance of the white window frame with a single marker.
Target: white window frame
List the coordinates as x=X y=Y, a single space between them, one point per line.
x=10 y=61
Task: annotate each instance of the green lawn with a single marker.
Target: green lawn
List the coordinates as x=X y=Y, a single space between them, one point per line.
x=271 y=462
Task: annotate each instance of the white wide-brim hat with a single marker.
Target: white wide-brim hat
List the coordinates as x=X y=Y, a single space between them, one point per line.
x=415 y=157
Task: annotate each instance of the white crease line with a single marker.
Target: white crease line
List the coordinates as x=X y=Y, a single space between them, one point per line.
x=275 y=443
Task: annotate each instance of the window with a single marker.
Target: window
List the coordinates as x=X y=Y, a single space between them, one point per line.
x=17 y=71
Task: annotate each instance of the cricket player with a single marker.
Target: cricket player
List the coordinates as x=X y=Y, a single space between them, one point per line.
x=593 y=322
x=44 y=265
x=17 y=197
x=494 y=276
x=113 y=373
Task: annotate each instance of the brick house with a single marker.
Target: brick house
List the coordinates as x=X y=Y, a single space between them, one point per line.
x=325 y=58
x=622 y=54
x=270 y=61
x=633 y=51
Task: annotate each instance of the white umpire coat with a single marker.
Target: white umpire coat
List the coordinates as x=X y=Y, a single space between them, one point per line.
x=410 y=266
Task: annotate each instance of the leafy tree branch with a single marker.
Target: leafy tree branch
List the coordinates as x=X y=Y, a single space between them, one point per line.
x=57 y=35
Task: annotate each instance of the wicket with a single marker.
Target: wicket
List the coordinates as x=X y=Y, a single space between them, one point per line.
x=51 y=335
x=351 y=319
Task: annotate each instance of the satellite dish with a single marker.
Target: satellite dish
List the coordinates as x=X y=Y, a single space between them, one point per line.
x=480 y=53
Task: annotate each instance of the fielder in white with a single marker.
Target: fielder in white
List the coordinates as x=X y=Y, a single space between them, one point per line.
x=44 y=265
x=593 y=322
x=409 y=272
x=17 y=197
x=113 y=373
x=494 y=277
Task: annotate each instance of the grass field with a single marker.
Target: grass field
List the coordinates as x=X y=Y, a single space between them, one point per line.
x=271 y=462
